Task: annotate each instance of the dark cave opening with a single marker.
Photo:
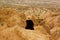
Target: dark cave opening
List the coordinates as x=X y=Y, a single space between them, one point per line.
x=29 y=25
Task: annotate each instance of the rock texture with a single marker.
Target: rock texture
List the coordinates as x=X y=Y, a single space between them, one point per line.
x=13 y=22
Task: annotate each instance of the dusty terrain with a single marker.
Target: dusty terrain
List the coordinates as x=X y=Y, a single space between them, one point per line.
x=13 y=23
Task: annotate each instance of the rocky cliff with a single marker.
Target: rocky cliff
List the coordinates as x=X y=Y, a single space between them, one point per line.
x=13 y=23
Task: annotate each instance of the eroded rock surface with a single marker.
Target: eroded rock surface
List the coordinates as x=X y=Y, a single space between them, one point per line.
x=13 y=23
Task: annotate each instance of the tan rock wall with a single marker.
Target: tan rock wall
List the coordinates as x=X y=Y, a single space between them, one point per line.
x=13 y=22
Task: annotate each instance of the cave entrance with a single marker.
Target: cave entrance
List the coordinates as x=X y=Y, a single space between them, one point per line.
x=29 y=25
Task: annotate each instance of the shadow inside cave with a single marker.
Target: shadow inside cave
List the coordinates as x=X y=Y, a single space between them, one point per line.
x=29 y=25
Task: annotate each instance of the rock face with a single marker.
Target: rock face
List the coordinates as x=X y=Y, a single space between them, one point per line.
x=13 y=23
x=18 y=33
x=10 y=17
